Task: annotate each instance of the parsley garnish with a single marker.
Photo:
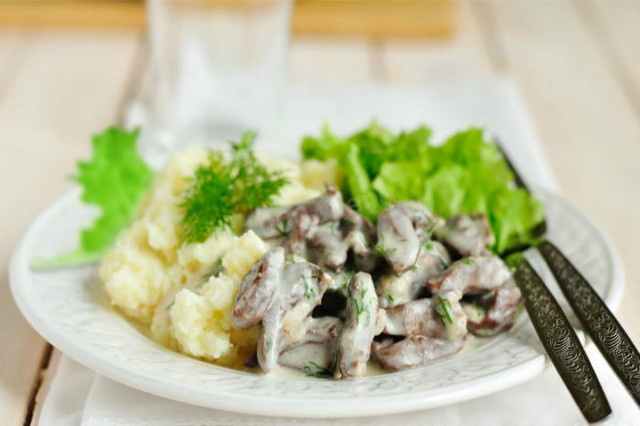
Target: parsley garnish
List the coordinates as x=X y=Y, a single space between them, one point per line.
x=390 y=297
x=467 y=261
x=170 y=305
x=222 y=188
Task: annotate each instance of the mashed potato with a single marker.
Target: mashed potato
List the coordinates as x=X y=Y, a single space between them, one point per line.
x=185 y=293
x=201 y=320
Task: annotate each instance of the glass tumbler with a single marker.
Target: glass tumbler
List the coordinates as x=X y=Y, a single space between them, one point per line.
x=217 y=68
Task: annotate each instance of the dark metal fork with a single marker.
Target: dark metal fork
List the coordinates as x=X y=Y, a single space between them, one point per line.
x=597 y=320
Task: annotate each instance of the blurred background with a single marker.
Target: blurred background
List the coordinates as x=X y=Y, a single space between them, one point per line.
x=215 y=67
x=70 y=68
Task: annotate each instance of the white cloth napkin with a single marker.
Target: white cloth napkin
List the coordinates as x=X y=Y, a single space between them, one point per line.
x=543 y=400
x=494 y=105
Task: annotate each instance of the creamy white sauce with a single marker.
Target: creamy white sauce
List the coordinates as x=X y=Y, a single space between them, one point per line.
x=374 y=369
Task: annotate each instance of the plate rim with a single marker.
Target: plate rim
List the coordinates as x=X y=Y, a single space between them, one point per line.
x=262 y=405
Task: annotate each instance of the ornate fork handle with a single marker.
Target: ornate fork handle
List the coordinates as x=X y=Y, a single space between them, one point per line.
x=561 y=343
x=596 y=318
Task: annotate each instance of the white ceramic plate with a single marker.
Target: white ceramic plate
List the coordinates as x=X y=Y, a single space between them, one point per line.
x=68 y=308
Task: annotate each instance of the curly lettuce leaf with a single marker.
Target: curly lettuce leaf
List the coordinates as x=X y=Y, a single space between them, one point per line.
x=465 y=174
x=323 y=147
x=359 y=185
x=441 y=190
x=413 y=146
x=513 y=214
x=392 y=182
x=114 y=180
x=373 y=146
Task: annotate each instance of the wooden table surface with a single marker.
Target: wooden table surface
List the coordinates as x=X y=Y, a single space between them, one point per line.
x=576 y=64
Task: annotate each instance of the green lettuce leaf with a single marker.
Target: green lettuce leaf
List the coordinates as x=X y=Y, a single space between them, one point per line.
x=442 y=190
x=373 y=146
x=359 y=185
x=465 y=174
x=114 y=180
x=393 y=182
x=323 y=147
x=513 y=214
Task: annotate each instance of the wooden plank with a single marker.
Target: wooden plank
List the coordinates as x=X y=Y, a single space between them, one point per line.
x=67 y=88
x=413 y=18
x=73 y=14
x=616 y=27
x=17 y=385
x=42 y=391
x=375 y=18
x=12 y=49
x=460 y=56
x=314 y=60
x=589 y=128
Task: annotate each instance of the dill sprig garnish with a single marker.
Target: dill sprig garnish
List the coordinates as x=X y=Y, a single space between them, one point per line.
x=224 y=187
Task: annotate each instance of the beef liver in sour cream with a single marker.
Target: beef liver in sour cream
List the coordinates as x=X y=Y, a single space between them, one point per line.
x=402 y=297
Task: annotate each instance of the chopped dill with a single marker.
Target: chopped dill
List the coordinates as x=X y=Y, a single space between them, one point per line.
x=309 y=292
x=479 y=311
x=360 y=307
x=224 y=187
x=345 y=283
x=383 y=252
x=467 y=261
x=443 y=264
x=445 y=305
x=313 y=369
x=283 y=228
x=324 y=257
x=429 y=229
x=212 y=273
